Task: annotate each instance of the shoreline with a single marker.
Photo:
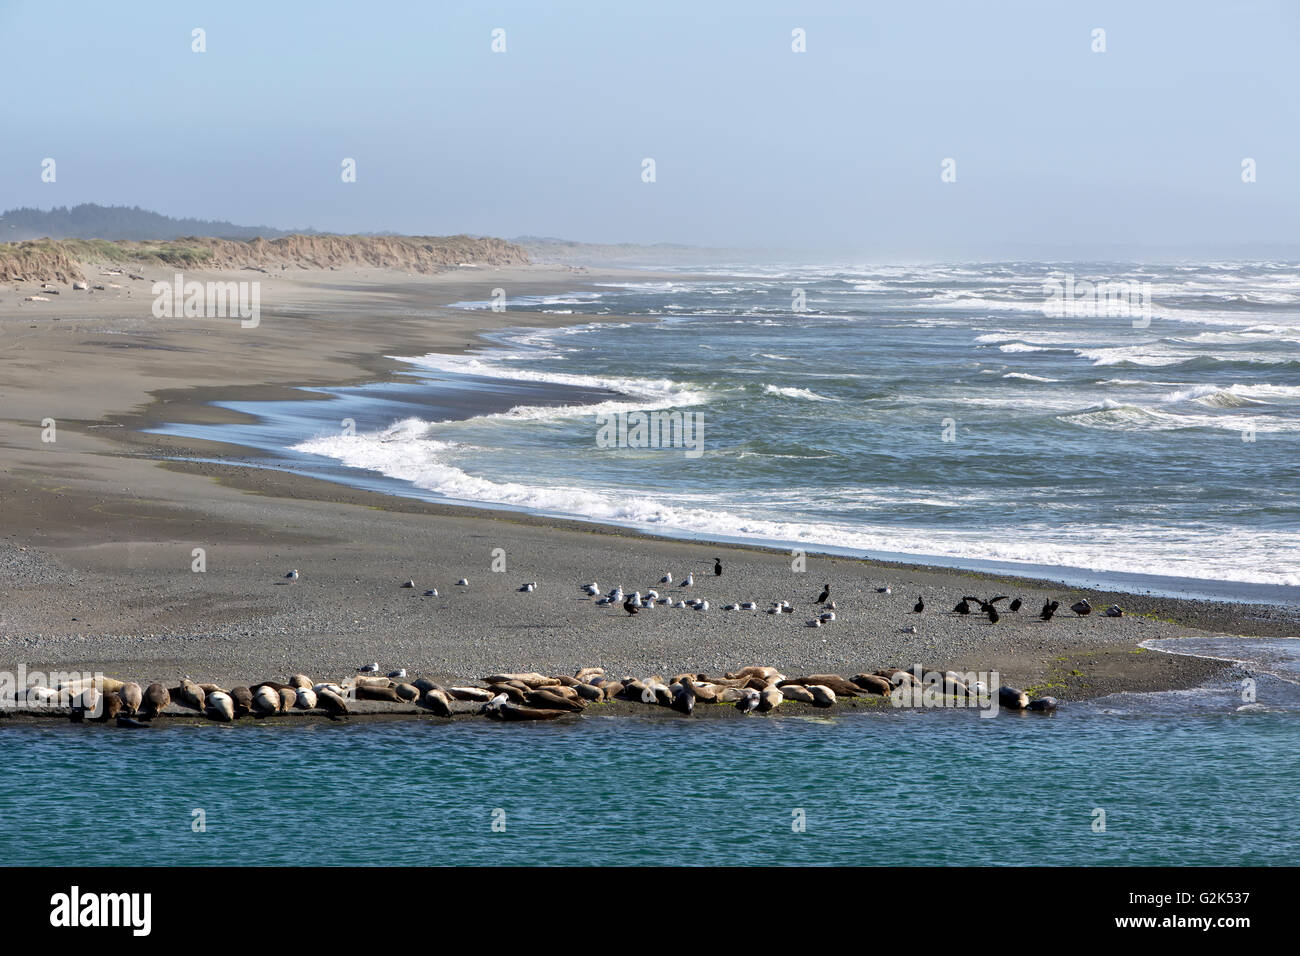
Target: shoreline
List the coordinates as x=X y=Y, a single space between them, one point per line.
x=116 y=517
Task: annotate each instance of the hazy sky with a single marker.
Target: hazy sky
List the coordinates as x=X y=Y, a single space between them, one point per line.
x=1057 y=148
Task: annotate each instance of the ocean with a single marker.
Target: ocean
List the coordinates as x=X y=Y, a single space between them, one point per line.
x=1186 y=778
x=953 y=415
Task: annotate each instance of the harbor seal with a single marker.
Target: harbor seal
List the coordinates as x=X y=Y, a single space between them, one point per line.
x=1043 y=705
x=770 y=698
x=766 y=673
x=219 y=706
x=300 y=681
x=835 y=682
x=407 y=692
x=478 y=694
x=288 y=698
x=590 y=692
x=873 y=684
x=132 y=696
x=1012 y=699
x=242 y=699
x=189 y=694
x=436 y=701
x=157 y=698
x=748 y=701
x=823 y=696
x=544 y=698
x=797 y=692
x=306 y=699
x=266 y=701
x=373 y=692
x=331 y=702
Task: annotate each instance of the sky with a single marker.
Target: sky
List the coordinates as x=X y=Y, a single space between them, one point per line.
x=1058 y=150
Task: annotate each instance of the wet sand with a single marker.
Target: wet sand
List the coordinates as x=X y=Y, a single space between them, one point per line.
x=101 y=526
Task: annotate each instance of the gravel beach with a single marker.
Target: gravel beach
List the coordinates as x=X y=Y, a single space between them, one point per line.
x=101 y=525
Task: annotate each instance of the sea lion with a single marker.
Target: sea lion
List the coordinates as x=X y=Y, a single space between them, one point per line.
x=798 y=693
x=300 y=681
x=334 y=703
x=873 y=684
x=770 y=698
x=219 y=706
x=266 y=701
x=189 y=694
x=436 y=701
x=132 y=696
x=407 y=692
x=1012 y=699
x=288 y=698
x=1043 y=704
x=242 y=699
x=156 y=699
x=374 y=692
x=306 y=699
x=823 y=696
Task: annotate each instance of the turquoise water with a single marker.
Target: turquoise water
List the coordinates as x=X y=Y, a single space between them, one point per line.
x=1185 y=779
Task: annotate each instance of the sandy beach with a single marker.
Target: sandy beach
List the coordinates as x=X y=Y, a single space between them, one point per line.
x=100 y=527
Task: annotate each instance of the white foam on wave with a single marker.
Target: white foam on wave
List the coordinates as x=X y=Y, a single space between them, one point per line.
x=792 y=392
x=1026 y=377
x=406 y=452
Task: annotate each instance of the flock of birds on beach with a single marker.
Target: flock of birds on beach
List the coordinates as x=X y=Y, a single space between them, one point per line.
x=534 y=696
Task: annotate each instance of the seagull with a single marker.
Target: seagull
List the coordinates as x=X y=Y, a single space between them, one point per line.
x=827 y=617
x=702 y=606
x=666 y=579
x=732 y=607
x=292 y=575
x=616 y=595
x=409 y=584
x=463 y=582
x=398 y=674
x=680 y=604
x=432 y=592
x=603 y=601
x=748 y=606
x=530 y=586
x=690 y=579
x=919 y=606
x=592 y=589
x=368 y=668
x=826 y=592
x=885 y=590
x=717 y=567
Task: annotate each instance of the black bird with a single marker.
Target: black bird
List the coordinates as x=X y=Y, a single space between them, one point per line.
x=1081 y=607
x=630 y=606
x=717 y=567
x=992 y=613
x=1015 y=605
x=1049 y=608
x=1000 y=597
x=825 y=595
x=919 y=606
x=962 y=607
